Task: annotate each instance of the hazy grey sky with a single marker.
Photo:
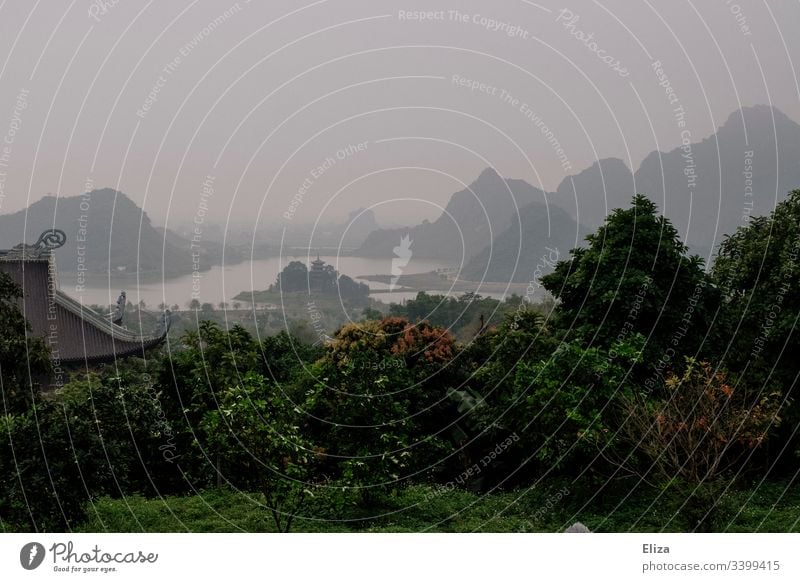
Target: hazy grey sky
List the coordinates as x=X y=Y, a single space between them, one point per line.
x=154 y=98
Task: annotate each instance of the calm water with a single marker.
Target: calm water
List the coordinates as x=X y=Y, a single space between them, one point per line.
x=223 y=283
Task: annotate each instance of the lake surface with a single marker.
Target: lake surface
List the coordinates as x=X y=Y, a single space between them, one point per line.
x=223 y=283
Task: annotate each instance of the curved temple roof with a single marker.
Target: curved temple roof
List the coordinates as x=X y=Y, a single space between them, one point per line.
x=73 y=332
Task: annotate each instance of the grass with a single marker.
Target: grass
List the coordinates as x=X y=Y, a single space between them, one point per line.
x=769 y=508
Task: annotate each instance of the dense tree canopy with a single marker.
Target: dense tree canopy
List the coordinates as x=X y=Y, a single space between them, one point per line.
x=635 y=276
x=590 y=389
x=379 y=400
x=758 y=271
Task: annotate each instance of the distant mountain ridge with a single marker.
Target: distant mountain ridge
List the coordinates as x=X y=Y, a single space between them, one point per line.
x=746 y=148
x=591 y=194
x=106 y=232
x=707 y=190
x=497 y=229
x=472 y=218
x=537 y=239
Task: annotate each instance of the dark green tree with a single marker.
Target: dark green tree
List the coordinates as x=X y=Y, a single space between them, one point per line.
x=205 y=363
x=758 y=271
x=294 y=277
x=635 y=276
x=98 y=436
x=566 y=408
x=285 y=358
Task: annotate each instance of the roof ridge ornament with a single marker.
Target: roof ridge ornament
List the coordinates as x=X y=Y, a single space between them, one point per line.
x=48 y=241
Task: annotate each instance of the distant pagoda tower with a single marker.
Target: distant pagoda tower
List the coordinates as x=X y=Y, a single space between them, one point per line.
x=317 y=275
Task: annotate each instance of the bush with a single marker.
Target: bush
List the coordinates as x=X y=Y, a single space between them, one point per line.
x=94 y=437
x=704 y=427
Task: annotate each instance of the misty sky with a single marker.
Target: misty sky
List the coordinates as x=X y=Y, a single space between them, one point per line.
x=157 y=99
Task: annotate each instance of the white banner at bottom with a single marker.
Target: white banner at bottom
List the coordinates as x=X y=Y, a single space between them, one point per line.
x=378 y=557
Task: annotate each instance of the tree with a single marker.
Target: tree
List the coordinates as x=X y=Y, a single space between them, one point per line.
x=379 y=399
x=758 y=271
x=457 y=314
x=635 y=276
x=196 y=376
x=704 y=426
x=100 y=435
x=294 y=277
x=350 y=289
x=209 y=361
x=257 y=424
x=284 y=357
x=24 y=360
x=565 y=407
x=193 y=305
x=370 y=313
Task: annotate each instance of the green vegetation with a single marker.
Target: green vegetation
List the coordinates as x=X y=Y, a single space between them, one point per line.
x=765 y=508
x=630 y=404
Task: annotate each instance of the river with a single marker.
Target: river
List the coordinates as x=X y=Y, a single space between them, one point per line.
x=223 y=283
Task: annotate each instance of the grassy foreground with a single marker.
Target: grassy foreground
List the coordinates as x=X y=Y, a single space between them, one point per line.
x=772 y=507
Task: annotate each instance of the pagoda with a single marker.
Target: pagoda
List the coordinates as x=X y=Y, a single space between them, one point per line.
x=320 y=275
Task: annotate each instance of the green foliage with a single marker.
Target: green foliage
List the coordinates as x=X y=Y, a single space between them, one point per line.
x=494 y=356
x=294 y=277
x=256 y=431
x=565 y=408
x=758 y=270
x=635 y=276
x=210 y=362
x=379 y=400
x=623 y=507
x=24 y=361
x=96 y=436
x=284 y=357
x=464 y=316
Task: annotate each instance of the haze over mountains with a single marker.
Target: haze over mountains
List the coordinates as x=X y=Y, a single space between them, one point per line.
x=469 y=222
x=707 y=189
x=496 y=229
x=702 y=188
x=107 y=232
